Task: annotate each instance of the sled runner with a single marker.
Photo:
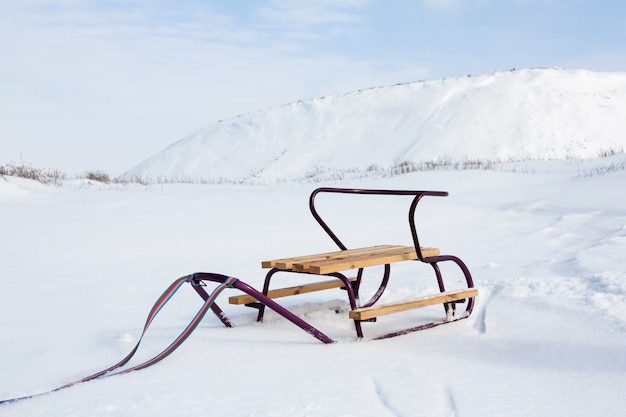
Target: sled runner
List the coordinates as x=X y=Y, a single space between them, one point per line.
x=335 y=265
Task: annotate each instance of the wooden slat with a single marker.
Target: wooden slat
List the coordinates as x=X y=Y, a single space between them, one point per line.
x=325 y=263
x=444 y=297
x=284 y=292
x=345 y=262
x=287 y=263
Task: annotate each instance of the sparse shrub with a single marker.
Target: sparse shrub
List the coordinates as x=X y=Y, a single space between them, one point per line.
x=609 y=152
x=404 y=167
x=45 y=176
x=98 y=176
x=604 y=169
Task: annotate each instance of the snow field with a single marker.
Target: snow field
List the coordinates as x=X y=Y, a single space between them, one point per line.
x=83 y=264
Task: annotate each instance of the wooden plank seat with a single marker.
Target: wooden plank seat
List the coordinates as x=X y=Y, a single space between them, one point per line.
x=326 y=263
x=384 y=309
x=285 y=292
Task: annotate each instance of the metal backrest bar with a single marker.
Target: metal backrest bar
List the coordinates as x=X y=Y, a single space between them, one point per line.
x=417 y=195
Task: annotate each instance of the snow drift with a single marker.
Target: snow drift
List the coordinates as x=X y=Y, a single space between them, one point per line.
x=534 y=114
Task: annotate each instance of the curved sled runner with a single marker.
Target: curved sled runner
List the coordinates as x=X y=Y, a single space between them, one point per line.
x=335 y=264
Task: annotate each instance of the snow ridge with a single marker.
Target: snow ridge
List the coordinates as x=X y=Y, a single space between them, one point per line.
x=531 y=114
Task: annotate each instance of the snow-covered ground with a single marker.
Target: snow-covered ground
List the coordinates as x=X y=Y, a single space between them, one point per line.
x=82 y=265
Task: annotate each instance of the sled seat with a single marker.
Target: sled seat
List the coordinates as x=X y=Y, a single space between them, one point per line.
x=285 y=292
x=384 y=309
x=331 y=262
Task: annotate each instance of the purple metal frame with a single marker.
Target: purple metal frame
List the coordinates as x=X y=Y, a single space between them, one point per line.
x=433 y=260
x=351 y=287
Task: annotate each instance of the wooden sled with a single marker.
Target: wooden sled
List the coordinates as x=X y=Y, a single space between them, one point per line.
x=334 y=266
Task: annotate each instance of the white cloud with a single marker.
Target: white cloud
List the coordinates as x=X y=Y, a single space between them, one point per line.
x=310 y=14
x=453 y=5
x=442 y=4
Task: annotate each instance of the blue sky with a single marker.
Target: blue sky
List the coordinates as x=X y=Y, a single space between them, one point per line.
x=102 y=85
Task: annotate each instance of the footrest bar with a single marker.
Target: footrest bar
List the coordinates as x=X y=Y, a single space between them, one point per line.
x=285 y=292
x=441 y=298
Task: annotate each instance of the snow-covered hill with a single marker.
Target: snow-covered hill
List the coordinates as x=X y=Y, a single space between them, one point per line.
x=512 y=115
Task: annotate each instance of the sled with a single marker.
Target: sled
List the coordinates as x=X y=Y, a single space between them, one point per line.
x=334 y=266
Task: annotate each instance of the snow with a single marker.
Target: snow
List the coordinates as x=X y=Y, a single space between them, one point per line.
x=83 y=264
x=506 y=116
